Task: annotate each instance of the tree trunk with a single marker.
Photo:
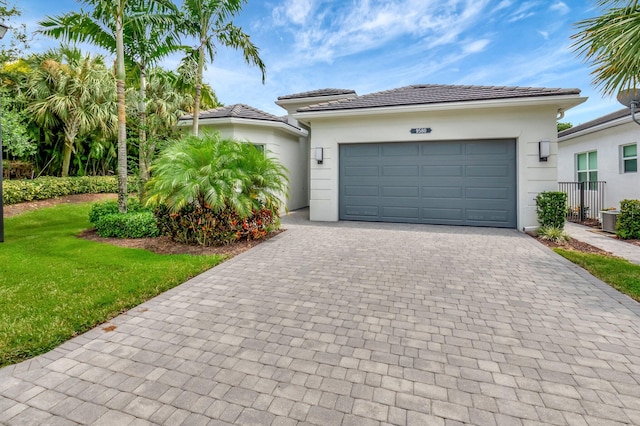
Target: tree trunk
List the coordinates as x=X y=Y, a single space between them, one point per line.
x=69 y=139
x=196 y=101
x=143 y=150
x=122 y=118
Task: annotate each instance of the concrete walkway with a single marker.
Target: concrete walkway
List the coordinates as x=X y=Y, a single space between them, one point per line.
x=604 y=240
x=354 y=324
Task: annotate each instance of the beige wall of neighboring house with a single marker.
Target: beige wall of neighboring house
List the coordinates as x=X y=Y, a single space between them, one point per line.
x=527 y=124
x=607 y=139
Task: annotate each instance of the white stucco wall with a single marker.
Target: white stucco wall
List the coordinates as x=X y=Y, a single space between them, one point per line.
x=607 y=142
x=292 y=151
x=527 y=125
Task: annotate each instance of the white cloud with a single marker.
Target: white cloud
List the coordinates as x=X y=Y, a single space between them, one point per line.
x=476 y=46
x=560 y=7
x=293 y=11
x=524 y=11
x=335 y=28
x=544 y=34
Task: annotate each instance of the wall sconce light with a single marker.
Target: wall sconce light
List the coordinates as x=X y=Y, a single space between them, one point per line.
x=319 y=155
x=543 y=150
x=631 y=99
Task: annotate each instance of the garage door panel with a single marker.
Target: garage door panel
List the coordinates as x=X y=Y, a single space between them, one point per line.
x=368 y=171
x=434 y=214
x=487 y=216
x=363 y=211
x=489 y=170
x=405 y=150
x=442 y=171
x=361 y=190
x=487 y=148
x=359 y=150
x=441 y=192
x=401 y=191
x=403 y=213
x=459 y=183
x=403 y=171
x=487 y=193
x=439 y=149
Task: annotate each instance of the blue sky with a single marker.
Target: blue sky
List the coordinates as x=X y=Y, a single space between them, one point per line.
x=372 y=45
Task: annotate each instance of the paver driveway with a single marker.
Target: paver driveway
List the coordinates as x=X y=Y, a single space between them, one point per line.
x=355 y=324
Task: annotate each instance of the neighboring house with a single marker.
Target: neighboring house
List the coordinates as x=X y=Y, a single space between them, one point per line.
x=437 y=154
x=604 y=149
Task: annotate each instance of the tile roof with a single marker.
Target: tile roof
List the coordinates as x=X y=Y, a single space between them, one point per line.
x=318 y=93
x=597 y=122
x=421 y=94
x=238 y=111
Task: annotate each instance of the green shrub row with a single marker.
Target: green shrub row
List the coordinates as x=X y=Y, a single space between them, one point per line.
x=551 y=208
x=138 y=222
x=42 y=188
x=206 y=227
x=628 y=223
x=128 y=225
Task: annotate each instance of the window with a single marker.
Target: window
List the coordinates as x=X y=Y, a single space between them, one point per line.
x=630 y=158
x=587 y=167
x=259 y=147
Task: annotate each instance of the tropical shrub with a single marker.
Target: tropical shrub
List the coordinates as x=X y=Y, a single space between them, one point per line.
x=138 y=222
x=552 y=233
x=42 y=188
x=99 y=210
x=212 y=191
x=128 y=225
x=206 y=227
x=551 y=208
x=628 y=223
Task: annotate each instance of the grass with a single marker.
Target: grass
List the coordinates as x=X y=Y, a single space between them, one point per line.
x=54 y=286
x=618 y=273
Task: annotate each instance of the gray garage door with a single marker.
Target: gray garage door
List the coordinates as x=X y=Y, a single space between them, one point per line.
x=454 y=182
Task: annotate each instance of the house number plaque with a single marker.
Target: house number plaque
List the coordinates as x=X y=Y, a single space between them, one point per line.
x=421 y=130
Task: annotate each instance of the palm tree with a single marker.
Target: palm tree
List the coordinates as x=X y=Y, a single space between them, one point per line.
x=217 y=173
x=77 y=93
x=208 y=21
x=104 y=26
x=611 y=42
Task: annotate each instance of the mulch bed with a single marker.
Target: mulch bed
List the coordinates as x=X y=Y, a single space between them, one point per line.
x=164 y=245
x=573 y=244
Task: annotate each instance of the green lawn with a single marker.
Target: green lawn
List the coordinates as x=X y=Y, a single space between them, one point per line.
x=618 y=273
x=54 y=286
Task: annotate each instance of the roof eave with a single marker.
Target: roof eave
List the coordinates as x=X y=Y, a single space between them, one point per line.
x=593 y=129
x=562 y=102
x=312 y=100
x=247 y=121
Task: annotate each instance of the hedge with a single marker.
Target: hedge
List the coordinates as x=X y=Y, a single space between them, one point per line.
x=628 y=224
x=42 y=188
x=551 y=208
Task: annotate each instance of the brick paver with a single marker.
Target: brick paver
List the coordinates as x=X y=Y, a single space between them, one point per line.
x=354 y=324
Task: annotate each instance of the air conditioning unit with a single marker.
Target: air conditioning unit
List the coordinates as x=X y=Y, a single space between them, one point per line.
x=609 y=219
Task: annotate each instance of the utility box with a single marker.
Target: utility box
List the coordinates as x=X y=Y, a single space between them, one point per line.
x=609 y=219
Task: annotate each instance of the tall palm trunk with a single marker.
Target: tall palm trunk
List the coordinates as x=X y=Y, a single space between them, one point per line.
x=122 y=119
x=143 y=149
x=196 y=102
x=69 y=139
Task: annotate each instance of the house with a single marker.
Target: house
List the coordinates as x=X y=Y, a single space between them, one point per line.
x=436 y=154
x=604 y=149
